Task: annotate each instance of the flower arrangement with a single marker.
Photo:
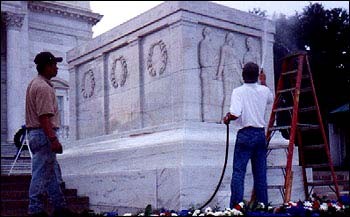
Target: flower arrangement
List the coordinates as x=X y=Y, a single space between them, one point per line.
x=314 y=207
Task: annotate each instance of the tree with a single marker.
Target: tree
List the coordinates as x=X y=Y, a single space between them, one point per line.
x=259 y=12
x=324 y=34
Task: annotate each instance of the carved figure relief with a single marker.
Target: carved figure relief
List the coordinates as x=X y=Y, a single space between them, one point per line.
x=207 y=58
x=88 y=84
x=251 y=55
x=157 y=58
x=229 y=70
x=119 y=72
x=211 y=89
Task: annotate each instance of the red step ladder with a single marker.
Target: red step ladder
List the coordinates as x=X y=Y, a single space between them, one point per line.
x=295 y=96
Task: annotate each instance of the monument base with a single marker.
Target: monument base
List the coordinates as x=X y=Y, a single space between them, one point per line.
x=174 y=166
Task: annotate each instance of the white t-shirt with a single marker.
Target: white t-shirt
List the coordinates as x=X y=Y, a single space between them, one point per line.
x=249 y=102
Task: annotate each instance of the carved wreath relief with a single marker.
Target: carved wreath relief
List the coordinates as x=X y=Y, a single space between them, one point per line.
x=119 y=72
x=88 y=84
x=157 y=58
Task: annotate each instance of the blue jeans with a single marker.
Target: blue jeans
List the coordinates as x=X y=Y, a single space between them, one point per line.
x=250 y=144
x=44 y=178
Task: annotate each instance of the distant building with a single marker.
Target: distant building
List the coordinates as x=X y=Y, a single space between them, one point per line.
x=27 y=28
x=339 y=138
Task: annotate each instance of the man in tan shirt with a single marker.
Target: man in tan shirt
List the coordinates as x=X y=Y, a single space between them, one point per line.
x=42 y=121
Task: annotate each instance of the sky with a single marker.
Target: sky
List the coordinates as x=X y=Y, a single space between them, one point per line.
x=118 y=12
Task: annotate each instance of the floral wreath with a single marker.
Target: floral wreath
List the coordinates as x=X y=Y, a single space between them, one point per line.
x=164 y=58
x=92 y=84
x=114 y=80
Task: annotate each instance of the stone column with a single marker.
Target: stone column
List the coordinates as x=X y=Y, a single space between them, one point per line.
x=15 y=118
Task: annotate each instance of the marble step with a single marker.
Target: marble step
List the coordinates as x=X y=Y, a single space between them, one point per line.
x=23 y=203
x=22 y=165
x=326 y=175
x=19 y=194
x=10 y=150
x=14 y=197
x=20 y=207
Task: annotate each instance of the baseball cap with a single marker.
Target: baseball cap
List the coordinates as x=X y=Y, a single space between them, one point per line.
x=46 y=57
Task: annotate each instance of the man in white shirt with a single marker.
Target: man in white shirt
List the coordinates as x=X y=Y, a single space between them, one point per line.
x=248 y=106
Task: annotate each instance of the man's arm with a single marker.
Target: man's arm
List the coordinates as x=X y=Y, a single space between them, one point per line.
x=50 y=133
x=262 y=78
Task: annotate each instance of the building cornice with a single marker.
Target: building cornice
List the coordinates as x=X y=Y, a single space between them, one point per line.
x=12 y=20
x=64 y=11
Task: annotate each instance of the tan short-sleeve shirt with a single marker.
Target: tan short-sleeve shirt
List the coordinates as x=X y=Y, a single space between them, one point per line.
x=41 y=100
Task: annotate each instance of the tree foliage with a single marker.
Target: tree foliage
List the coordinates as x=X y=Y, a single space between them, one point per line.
x=324 y=34
x=259 y=12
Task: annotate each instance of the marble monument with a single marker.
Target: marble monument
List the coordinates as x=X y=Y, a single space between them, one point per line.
x=147 y=101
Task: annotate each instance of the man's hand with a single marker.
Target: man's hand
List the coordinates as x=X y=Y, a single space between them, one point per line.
x=56 y=146
x=50 y=133
x=227 y=118
x=262 y=78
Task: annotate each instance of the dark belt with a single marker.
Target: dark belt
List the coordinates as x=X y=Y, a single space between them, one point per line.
x=33 y=128
x=38 y=128
x=250 y=127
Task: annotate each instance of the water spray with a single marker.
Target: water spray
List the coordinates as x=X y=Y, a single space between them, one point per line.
x=264 y=45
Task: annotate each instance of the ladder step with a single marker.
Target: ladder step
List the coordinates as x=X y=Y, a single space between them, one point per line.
x=274 y=147
x=275 y=186
x=286 y=90
x=283 y=109
x=301 y=126
x=302 y=76
x=306 y=89
x=325 y=165
x=305 y=76
x=303 y=90
x=290 y=72
x=296 y=54
x=308 y=126
x=279 y=128
x=276 y=167
x=313 y=147
x=307 y=109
